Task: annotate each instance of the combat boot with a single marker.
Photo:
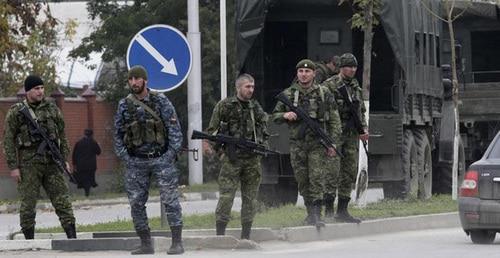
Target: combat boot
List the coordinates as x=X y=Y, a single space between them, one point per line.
x=342 y=213
x=29 y=233
x=220 y=228
x=176 y=247
x=70 y=231
x=328 y=202
x=146 y=246
x=318 y=222
x=245 y=230
x=309 y=209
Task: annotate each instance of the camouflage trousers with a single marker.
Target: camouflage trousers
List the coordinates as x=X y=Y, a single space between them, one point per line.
x=332 y=176
x=309 y=163
x=348 y=164
x=48 y=176
x=137 y=182
x=246 y=173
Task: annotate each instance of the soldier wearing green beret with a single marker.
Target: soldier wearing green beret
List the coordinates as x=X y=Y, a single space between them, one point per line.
x=350 y=136
x=308 y=157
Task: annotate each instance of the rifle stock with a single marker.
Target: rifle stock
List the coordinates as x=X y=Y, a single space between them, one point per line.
x=324 y=138
x=48 y=144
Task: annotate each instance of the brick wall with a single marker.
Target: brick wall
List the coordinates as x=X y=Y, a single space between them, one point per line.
x=76 y=113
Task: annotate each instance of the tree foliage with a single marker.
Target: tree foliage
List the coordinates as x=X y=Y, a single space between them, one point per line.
x=28 y=38
x=358 y=19
x=120 y=22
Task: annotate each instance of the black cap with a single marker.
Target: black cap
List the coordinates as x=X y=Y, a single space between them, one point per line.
x=31 y=82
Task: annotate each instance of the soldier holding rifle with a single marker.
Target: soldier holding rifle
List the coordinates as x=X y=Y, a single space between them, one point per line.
x=311 y=155
x=348 y=96
x=239 y=116
x=36 y=148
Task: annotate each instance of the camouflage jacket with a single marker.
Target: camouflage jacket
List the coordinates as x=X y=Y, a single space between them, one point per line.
x=20 y=145
x=137 y=131
x=320 y=104
x=355 y=92
x=234 y=118
x=323 y=72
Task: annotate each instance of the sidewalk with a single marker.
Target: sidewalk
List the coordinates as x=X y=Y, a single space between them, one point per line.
x=78 y=204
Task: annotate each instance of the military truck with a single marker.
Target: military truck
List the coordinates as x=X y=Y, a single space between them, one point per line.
x=411 y=119
x=478 y=36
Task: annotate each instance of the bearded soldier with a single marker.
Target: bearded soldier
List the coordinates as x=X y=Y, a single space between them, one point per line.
x=239 y=116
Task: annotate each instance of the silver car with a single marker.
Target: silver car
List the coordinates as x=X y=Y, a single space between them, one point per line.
x=479 y=200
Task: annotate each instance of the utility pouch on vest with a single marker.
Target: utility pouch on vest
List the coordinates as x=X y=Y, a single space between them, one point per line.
x=160 y=132
x=135 y=131
x=24 y=138
x=149 y=131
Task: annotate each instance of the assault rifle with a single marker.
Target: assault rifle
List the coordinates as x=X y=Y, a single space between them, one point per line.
x=234 y=142
x=354 y=113
x=47 y=144
x=324 y=138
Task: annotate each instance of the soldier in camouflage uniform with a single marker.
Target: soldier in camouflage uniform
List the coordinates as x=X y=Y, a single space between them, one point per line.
x=31 y=169
x=239 y=116
x=350 y=136
x=326 y=69
x=147 y=138
x=309 y=158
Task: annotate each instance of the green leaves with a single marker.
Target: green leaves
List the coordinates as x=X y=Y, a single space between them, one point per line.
x=27 y=41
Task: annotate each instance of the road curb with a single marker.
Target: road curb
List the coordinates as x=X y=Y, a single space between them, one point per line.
x=379 y=226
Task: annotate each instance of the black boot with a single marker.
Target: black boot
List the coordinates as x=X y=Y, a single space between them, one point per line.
x=328 y=202
x=318 y=222
x=70 y=231
x=146 y=246
x=220 y=228
x=29 y=233
x=342 y=213
x=176 y=247
x=245 y=230
x=309 y=218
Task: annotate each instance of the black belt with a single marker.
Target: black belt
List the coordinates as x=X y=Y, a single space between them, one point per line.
x=151 y=155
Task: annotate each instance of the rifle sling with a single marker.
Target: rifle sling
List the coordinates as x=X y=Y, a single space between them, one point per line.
x=146 y=107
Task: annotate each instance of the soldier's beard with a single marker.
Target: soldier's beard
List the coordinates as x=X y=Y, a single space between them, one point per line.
x=138 y=89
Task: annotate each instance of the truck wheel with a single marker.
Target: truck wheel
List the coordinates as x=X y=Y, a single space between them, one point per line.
x=482 y=236
x=445 y=175
x=408 y=187
x=424 y=164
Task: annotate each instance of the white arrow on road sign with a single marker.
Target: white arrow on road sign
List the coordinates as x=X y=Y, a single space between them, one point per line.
x=168 y=66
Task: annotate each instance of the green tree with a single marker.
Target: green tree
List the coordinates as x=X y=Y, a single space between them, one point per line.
x=28 y=38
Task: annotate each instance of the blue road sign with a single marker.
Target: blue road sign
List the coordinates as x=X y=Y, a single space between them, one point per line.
x=164 y=52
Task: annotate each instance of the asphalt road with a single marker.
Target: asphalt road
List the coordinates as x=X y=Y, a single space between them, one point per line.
x=426 y=243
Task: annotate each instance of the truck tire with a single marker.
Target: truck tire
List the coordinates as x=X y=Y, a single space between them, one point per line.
x=444 y=174
x=424 y=163
x=408 y=187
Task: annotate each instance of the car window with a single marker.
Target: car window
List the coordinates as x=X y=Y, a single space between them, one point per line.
x=495 y=151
